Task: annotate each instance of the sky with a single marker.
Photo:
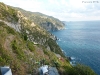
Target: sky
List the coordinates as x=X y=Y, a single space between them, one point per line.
x=64 y=10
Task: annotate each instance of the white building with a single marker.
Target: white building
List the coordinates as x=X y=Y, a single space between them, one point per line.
x=43 y=70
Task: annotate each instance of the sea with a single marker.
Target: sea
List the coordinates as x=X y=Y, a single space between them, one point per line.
x=81 y=41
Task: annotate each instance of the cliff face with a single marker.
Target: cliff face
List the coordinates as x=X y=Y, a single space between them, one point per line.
x=47 y=22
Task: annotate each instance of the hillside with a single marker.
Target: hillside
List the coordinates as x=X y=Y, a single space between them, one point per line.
x=24 y=45
x=20 y=54
x=47 y=22
x=30 y=31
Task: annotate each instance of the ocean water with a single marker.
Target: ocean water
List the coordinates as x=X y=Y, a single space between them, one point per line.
x=81 y=40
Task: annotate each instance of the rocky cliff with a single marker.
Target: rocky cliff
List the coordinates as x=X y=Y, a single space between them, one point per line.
x=47 y=22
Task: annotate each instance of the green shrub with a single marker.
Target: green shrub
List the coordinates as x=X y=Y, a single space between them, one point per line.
x=4 y=56
x=16 y=49
x=81 y=70
x=30 y=46
x=46 y=52
x=10 y=30
x=25 y=37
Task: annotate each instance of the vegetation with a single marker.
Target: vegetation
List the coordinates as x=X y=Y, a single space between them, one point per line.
x=83 y=70
x=8 y=13
x=4 y=57
x=7 y=57
x=30 y=45
x=16 y=49
x=54 y=47
x=80 y=69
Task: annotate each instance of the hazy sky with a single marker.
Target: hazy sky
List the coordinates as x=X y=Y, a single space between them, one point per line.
x=65 y=10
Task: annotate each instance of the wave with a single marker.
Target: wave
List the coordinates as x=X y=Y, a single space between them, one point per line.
x=59 y=39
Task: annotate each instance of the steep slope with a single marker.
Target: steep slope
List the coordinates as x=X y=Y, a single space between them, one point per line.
x=22 y=56
x=47 y=22
x=25 y=57
x=24 y=46
x=30 y=31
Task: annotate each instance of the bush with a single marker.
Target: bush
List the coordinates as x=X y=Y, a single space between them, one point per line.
x=30 y=46
x=4 y=56
x=17 y=50
x=14 y=47
x=46 y=52
x=84 y=70
x=10 y=30
x=25 y=37
x=81 y=70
